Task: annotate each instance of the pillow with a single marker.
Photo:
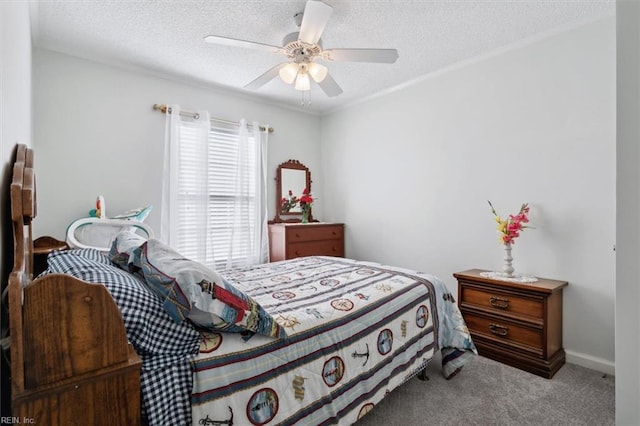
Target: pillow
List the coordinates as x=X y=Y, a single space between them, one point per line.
x=126 y=249
x=191 y=290
x=150 y=330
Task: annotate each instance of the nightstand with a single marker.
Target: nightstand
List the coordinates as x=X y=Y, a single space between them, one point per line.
x=519 y=324
x=42 y=246
x=291 y=240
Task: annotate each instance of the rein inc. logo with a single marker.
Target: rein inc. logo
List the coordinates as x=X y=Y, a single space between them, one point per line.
x=5 y=420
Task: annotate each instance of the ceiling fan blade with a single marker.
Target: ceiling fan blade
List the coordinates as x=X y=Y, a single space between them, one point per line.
x=234 y=42
x=330 y=87
x=387 y=56
x=266 y=77
x=315 y=17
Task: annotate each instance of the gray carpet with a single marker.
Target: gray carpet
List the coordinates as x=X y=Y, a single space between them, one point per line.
x=487 y=392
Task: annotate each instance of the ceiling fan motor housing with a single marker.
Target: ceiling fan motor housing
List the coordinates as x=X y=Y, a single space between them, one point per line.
x=300 y=51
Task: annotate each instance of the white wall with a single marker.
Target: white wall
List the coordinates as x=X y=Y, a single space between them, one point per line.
x=15 y=83
x=97 y=134
x=410 y=173
x=15 y=105
x=628 y=212
x=15 y=126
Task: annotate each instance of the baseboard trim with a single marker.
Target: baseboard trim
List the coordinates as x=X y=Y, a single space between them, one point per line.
x=591 y=362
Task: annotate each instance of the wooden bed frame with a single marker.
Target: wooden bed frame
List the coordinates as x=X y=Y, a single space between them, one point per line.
x=71 y=362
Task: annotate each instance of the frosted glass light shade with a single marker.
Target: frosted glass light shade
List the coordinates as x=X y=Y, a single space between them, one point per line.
x=302 y=81
x=289 y=72
x=317 y=71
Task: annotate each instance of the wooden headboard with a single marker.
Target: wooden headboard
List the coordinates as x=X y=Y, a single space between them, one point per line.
x=23 y=210
x=68 y=340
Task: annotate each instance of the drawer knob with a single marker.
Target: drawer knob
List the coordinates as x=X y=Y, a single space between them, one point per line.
x=499 y=330
x=498 y=302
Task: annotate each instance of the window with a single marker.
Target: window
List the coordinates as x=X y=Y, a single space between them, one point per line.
x=217 y=212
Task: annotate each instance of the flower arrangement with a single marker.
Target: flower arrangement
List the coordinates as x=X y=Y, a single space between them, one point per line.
x=511 y=227
x=289 y=203
x=306 y=200
x=305 y=204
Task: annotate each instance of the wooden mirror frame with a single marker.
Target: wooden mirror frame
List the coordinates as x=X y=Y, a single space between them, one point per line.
x=281 y=216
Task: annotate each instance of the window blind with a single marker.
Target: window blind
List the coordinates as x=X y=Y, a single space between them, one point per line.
x=216 y=196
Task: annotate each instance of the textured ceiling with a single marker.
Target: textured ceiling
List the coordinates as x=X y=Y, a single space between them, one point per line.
x=166 y=37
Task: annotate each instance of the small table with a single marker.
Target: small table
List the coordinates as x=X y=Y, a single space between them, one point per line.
x=42 y=246
x=517 y=323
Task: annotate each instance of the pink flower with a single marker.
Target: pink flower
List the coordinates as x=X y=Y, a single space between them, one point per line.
x=510 y=228
x=514 y=226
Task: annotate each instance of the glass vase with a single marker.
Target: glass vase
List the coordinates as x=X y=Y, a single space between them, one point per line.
x=305 y=216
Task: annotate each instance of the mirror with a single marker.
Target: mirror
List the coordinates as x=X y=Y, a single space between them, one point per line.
x=291 y=176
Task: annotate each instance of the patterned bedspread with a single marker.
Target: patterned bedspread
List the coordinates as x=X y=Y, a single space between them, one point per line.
x=356 y=331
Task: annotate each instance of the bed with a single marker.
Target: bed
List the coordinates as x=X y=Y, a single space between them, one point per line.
x=326 y=338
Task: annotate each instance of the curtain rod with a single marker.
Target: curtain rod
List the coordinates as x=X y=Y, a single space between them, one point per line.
x=163 y=108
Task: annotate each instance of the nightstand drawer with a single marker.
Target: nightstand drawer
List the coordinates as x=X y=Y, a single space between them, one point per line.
x=314 y=233
x=505 y=332
x=501 y=301
x=316 y=248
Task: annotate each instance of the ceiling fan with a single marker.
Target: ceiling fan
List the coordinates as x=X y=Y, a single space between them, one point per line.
x=303 y=49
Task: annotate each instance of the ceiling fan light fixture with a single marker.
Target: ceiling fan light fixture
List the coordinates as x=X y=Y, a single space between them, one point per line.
x=302 y=81
x=289 y=72
x=318 y=72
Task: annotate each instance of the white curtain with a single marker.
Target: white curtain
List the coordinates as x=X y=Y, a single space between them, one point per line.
x=186 y=139
x=262 y=236
x=168 y=217
x=250 y=208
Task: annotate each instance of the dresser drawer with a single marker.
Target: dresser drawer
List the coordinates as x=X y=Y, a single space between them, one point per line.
x=501 y=301
x=316 y=248
x=290 y=240
x=505 y=332
x=297 y=234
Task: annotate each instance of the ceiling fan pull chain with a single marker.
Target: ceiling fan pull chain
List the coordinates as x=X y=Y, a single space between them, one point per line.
x=308 y=92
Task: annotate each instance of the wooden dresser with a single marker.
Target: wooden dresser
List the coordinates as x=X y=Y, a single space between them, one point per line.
x=519 y=324
x=291 y=240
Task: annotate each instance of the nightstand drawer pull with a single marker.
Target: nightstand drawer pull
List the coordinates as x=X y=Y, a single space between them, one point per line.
x=498 y=302
x=500 y=330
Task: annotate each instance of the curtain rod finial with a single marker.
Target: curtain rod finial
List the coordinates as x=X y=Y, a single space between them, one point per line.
x=160 y=107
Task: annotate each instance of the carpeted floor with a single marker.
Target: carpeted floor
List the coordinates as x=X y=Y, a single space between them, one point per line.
x=487 y=392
